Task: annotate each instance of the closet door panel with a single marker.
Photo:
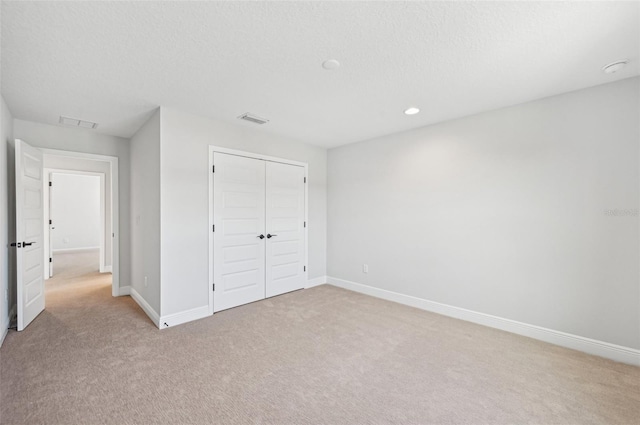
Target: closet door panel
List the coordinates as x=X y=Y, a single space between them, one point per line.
x=285 y=245
x=239 y=219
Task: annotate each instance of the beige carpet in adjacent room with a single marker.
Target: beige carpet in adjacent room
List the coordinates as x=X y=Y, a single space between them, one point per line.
x=318 y=356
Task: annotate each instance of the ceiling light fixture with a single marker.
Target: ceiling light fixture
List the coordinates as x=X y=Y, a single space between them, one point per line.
x=411 y=111
x=614 y=67
x=331 y=64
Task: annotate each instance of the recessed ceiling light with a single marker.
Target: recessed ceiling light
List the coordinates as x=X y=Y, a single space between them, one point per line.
x=411 y=111
x=614 y=67
x=331 y=64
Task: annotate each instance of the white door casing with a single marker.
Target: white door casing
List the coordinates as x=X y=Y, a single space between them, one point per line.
x=239 y=217
x=113 y=197
x=285 y=256
x=29 y=233
x=288 y=268
x=51 y=226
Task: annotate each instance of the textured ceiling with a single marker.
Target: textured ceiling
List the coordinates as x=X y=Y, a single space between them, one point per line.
x=114 y=62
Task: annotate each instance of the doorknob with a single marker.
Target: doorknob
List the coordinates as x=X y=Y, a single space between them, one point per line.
x=27 y=243
x=261 y=236
x=269 y=236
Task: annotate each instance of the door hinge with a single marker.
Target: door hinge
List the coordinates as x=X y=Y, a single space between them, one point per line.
x=50 y=260
x=305 y=268
x=50 y=222
x=213 y=228
x=305 y=179
x=50 y=184
x=213 y=168
x=213 y=287
x=305 y=224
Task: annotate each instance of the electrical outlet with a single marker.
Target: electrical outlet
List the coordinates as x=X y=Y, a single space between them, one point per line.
x=146 y=281
x=365 y=268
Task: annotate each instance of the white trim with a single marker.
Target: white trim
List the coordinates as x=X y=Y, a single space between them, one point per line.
x=5 y=325
x=124 y=290
x=5 y=331
x=184 y=316
x=210 y=229
x=107 y=269
x=115 y=206
x=219 y=149
x=144 y=305
x=5 y=328
x=103 y=206
x=304 y=165
x=316 y=281
x=575 y=342
x=73 y=250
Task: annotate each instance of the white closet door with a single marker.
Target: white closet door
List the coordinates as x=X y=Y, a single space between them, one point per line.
x=285 y=228
x=239 y=219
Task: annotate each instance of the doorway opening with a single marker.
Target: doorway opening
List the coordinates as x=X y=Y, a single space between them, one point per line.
x=81 y=212
x=76 y=225
x=258 y=213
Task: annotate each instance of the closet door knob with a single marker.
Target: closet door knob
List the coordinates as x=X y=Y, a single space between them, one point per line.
x=269 y=236
x=261 y=236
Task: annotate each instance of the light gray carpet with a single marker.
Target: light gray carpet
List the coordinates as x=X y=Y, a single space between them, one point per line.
x=317 y=356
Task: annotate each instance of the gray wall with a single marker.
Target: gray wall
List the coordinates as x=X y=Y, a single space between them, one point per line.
x=7 y=292
x=185 y=200
x=87 y=141
x=528 y=213
x=145 y=211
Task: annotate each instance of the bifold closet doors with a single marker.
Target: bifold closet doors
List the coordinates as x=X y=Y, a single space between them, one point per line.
x=258 y=246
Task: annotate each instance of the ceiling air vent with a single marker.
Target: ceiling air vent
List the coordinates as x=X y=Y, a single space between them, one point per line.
x=253 y=118
x=74 y=122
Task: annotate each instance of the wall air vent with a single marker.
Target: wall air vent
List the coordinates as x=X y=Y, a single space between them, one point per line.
x=253 y=118
x=74 y=122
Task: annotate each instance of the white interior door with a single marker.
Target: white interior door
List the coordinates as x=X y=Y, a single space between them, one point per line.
x=29 y=233
x=239 y=220
x=285 y=261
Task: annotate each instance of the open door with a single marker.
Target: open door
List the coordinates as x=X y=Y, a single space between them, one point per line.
x=29 y=243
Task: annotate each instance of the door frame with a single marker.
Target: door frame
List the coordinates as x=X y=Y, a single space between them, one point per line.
x=219 y=149
x=115 y=208
x=103 y=212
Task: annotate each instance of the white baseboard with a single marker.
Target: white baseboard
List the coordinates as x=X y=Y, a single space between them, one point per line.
x=105 y=269
x=599 y=348
x=74 y=250
x=5 y=330
x=184 y=317
x=144 y=305
x=123 y=290
x=316 y=281
x=7 y=322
